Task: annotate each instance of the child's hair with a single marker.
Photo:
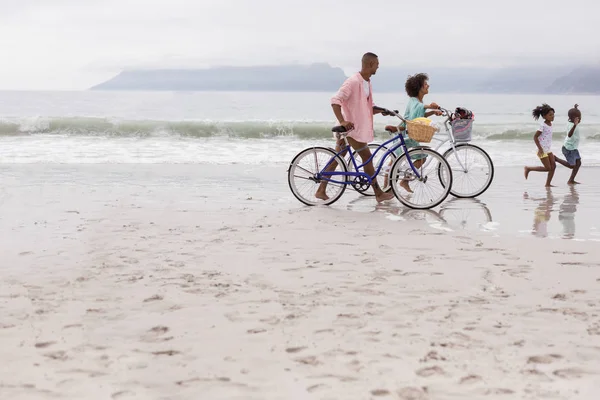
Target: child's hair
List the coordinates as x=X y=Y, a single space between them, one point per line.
x=414 y=84
x=541 y=111
x=574 y=113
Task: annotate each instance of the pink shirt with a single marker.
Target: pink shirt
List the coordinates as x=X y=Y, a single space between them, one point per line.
x=357 y=107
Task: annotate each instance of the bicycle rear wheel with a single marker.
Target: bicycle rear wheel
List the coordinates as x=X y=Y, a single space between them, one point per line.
x=302 y=176
x=383 y=177
x=430 y=188
x=472 y=170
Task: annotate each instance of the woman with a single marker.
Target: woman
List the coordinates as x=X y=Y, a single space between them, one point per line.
x=416 y=86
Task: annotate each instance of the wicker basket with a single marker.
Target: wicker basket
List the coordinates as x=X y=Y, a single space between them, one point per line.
x=420 y=132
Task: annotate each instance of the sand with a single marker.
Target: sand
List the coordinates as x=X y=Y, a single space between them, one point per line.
x=156 y=282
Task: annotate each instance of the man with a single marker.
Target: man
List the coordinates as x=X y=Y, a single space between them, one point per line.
x=353 y=108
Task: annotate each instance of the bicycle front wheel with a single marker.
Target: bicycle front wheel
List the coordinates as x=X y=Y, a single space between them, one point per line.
x=472 y=170
x=430 y=187
x=303 y=176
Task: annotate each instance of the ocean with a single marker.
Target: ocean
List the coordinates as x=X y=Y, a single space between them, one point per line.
x=247 y=127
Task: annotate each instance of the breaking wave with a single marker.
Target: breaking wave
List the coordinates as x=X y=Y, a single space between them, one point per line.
x=105 y=127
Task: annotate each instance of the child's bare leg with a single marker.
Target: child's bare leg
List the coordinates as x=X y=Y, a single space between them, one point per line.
x=545 y=168
x=562 y=162
x=574 y=173
x=552 y=168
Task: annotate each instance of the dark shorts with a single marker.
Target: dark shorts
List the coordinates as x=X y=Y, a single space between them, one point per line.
x=571 y=155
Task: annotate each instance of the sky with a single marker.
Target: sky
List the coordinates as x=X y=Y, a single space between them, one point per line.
x=75 y=44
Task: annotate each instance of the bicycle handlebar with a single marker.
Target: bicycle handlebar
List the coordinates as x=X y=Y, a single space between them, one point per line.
x=386 y=112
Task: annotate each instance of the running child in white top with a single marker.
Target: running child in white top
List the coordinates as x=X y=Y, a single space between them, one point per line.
x=570 y=147
x=543 y=141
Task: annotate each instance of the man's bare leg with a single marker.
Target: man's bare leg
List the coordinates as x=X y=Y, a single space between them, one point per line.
x=322 y=190
x=365 y=153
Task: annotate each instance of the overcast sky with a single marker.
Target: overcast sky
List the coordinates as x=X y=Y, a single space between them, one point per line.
x=73 y=44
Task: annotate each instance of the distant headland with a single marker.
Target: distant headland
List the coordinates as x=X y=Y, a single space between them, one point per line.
x=321 y=77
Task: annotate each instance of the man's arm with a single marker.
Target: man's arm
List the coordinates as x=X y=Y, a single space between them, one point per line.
x=342 y=95
x=337 y=110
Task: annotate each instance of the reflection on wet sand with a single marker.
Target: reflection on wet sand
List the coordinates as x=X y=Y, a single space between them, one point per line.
x=562 y=212
x=566 y=212
x=455 y=214
x=542 y=213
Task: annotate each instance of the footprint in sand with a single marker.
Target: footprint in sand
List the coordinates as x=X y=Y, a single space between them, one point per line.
x=430 y=371
x=314 y=388
x=570 y=373
x=545 y=359
x=156 y=297
x=43 y=345
x=470 y=380
x=380 y=392
x=123 y=394
x=155 y=335
x=293 y=350
x=57 y=355
x=256 y=331
x=166 y=353
x=310 y=360
x=433 y=355
x=537 y=374
x=594 y=330
x=518 y=272
x=412 y=393
x=499 y=391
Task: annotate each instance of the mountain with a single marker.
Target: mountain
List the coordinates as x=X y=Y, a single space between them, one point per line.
x=314 y=77
x=322 y=77
x=581 y=80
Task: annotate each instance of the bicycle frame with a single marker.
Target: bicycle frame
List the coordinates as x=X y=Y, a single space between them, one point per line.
x=356 y=173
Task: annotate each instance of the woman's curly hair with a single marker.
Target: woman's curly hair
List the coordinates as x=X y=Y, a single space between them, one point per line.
x=414 y=84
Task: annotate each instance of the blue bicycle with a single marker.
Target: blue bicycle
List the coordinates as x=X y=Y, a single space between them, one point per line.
x=420 y=178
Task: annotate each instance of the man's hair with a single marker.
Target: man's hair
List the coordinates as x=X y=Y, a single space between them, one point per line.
x=414 y=84
x=368 y=57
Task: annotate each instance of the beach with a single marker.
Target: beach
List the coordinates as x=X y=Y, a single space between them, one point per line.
x=204 y=281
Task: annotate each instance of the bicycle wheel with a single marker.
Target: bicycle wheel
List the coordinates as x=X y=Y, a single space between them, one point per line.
x=466 y=213
x=476 y=173
x=382 y=177
x=302 y=176
x=428 y=190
